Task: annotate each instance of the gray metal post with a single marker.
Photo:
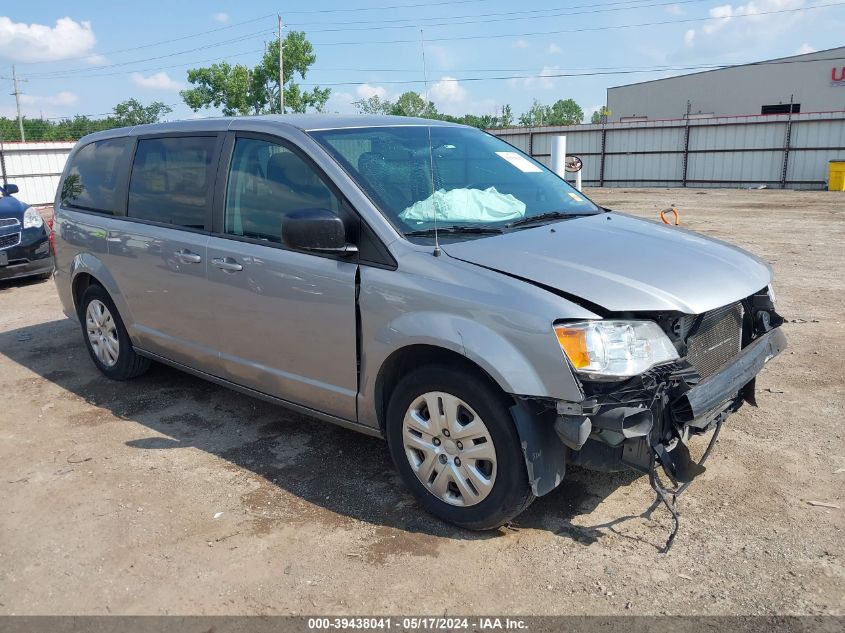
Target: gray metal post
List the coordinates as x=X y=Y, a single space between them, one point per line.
x=786 y=142
x=603 y=144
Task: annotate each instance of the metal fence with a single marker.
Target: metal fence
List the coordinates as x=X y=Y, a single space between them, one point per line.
x=786 y=151
x=34 y=167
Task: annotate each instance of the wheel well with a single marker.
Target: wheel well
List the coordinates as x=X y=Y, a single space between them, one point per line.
x=408 y=358
x=80 y=285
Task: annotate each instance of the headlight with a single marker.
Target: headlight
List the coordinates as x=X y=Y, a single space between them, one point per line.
x=32 y=219
x=614 y=348
x=771 y=292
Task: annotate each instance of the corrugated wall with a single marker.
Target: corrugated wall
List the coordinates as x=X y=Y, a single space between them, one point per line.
x=775 y=151
x=35 y=168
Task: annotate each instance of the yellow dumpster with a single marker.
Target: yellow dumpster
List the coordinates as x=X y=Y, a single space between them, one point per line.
x=836 y=176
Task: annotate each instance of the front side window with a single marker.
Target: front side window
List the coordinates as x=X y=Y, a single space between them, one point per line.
x=456 y=175
x=92 y=177
x=266 y=182
x=171 y=180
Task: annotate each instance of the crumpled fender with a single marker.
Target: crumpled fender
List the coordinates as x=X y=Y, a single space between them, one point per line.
x=503 y=361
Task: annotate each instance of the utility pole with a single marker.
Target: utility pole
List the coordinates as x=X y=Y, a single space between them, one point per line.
x=17 y=94
x=281 y=67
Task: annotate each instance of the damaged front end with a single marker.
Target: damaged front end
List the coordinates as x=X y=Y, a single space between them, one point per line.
x=645 y=421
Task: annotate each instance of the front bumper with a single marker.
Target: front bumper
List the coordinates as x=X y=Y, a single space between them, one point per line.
x=626 y=424
x=714 y=392
x=30 y=256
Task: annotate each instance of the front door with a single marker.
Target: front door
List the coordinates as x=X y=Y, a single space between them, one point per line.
x=285 y=319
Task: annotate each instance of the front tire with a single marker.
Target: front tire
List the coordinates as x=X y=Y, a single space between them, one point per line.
x=454 y=443
x=106 y=337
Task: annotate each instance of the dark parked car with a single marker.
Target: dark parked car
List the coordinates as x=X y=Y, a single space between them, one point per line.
x=24 y=239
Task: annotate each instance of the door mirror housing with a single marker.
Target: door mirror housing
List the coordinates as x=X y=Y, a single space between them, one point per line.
x=10 y=189
x=316 y=230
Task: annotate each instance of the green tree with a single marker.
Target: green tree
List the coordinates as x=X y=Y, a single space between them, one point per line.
x=237 y=89
x=565 y=112
x=537 y=114
x=600 y=115
x=132 y=112
x=412 y=104
x=373 y=105
x=506 y=119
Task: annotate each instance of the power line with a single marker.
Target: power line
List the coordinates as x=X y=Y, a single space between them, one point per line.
x=156 y=68
x=160 y=42
x=582 y=30
x=440 y=39
x=506 y=15
x=385 y=8
x=258 y=19
x=594 y=73
x=60 y=73
x=241 y=38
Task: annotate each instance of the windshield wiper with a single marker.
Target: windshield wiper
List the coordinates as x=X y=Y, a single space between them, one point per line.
x=551 y=215
x=446 y=230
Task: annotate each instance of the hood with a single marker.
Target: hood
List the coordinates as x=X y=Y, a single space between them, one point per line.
x=11 y=207
x=622 y=263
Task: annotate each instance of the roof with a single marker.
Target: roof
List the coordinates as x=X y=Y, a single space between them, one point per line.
x=304 y=122
x=808 y=57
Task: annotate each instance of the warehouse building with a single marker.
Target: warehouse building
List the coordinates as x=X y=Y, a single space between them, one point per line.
x=814 y=82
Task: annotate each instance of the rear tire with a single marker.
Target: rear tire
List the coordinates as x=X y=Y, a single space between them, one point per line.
x=106 y=337
x=463 y=463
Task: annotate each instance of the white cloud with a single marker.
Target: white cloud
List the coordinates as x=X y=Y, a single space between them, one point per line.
x=447 y=94
x=156 y=81
x=675 y=9
x=40 y=43
x=365 y=91
x=64 y=98
x=727 y=33
x=340 y=103
x=804 y=49
x=544 y=80
x=553 y=49
x=220 y=17
x=96 y=59
x=521 y=44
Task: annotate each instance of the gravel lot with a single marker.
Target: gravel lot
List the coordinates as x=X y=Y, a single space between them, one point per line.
x=170 y=495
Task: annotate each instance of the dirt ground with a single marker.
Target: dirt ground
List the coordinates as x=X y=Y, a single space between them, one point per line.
x=170 y=495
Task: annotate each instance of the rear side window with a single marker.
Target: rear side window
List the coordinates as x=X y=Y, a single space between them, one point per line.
x=171 y=181
x=93 y=175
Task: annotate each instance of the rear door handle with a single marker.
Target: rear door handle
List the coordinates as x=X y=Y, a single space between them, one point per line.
x=187 y=257
x=227 y=263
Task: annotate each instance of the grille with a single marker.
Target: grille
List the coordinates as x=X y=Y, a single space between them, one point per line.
x=716 y=340
x=9 y=240
x=4 y=222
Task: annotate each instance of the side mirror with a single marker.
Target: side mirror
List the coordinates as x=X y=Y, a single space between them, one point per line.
x=317 y=230
x=10 y=189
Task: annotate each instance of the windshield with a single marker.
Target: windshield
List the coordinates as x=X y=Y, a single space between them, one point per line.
x=467 y=178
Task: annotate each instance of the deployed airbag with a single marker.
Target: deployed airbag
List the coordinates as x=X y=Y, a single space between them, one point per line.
x=465 y=205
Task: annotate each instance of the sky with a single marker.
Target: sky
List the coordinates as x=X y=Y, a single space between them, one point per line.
x=85 y=57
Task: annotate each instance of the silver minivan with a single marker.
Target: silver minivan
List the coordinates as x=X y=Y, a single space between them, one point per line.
x=418 y=281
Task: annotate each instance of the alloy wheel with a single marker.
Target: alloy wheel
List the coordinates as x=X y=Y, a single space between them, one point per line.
x=102 y=333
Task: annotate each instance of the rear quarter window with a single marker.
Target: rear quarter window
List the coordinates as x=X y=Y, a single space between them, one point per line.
x=92 y=179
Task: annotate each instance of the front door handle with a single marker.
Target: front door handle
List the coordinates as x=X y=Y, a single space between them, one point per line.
x=227 y=263
x=187 y=257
